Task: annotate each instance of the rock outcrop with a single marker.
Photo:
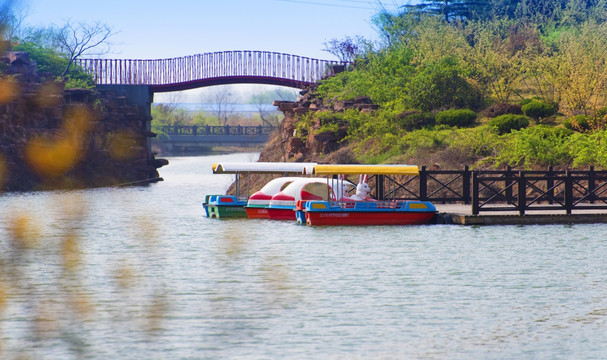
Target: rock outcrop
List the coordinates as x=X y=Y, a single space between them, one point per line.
x=322 y=147
x=52 y=137
x=287 y=145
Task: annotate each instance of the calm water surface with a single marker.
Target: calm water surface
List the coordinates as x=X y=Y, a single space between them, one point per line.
x=138 y=273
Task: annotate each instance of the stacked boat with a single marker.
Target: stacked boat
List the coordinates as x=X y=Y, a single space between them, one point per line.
x=329 y=198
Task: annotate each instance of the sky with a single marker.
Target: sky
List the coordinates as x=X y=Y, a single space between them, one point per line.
x=157 y=29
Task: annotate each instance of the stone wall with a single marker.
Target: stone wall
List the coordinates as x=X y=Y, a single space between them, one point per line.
x=51 y=137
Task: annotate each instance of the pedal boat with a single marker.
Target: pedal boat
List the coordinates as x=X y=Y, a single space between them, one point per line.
x=257 y=205
x=376 y=212
x=233 y=206
x=224 y=206
x=283 y=204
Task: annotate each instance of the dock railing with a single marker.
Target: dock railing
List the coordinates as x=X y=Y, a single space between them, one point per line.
x=506 y=190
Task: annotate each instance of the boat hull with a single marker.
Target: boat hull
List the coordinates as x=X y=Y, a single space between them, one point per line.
x=224 y=206
x=281 y=213
x=368 y=218
x=366 y=213
x=257 y=212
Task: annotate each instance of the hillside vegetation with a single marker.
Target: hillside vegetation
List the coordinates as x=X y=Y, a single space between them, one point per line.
x=486 y=84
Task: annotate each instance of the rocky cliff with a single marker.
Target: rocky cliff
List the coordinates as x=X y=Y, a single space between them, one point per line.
x=326 y=147
x=52 y=137
x=314 y=145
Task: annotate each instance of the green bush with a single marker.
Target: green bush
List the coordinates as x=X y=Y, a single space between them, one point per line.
x=456 y=117
x=49 y=61
x=441 y=85
x=415 y=120
x=538 y=110
x=504 y=124
x=536 y=146
x=579 y=123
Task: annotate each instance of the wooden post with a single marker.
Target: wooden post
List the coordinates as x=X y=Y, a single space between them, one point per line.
x=423 y=184
x=466 y=185
x=591 y=184
x=550 y=185
x=475 y=195
x=522 y=193
x=568 y=193
x=508 y=185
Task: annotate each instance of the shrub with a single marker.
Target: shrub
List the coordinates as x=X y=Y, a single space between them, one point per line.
x=536 y=146
x=579 y=123
x=504 y=124
x=414 y=120
x=538 y=109
x=502 y=109
x=456 y=117
x=441 y=85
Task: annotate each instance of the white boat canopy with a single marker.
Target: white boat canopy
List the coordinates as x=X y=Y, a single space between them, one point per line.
x=264 y=167
x=381 y=169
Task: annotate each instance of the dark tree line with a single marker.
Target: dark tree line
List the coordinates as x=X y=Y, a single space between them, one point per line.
x=453 y=10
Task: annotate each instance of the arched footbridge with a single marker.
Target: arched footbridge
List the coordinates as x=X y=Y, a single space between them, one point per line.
x=139 y=80
x=217 y=68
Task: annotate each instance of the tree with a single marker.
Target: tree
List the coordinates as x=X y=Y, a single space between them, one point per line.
x=346 y=50
x=76 y=40
x=451 y=10
x=12 y=15
x=5 y=16
x=222 y=103
x=263 y=103
x=580 y=72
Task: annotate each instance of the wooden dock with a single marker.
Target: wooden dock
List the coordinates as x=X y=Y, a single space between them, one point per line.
x=461 y=214
x=504 y=197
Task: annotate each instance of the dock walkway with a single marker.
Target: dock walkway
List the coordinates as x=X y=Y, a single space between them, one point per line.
x=461 y=214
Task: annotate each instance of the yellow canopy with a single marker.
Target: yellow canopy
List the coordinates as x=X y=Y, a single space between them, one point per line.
x=366 y=169
x=263 y=167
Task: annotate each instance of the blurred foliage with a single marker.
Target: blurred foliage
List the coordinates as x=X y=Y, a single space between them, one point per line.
x=61 y=306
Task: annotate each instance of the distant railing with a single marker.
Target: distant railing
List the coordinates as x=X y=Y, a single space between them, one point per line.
x=502 y=190
x=245 y=66
x=227 y=130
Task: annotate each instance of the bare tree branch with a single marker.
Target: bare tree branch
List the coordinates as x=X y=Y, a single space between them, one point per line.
x=222 y=103
x=12 y=15
x=77 y=40
x=347 y=49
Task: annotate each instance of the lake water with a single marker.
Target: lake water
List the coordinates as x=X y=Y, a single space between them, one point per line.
x=139 y=273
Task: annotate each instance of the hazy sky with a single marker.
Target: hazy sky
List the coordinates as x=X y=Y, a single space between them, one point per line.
x=156 y=29
x=149 y=29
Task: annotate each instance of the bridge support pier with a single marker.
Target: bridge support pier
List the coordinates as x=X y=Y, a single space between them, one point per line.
x=141 y=97
x=136 y=95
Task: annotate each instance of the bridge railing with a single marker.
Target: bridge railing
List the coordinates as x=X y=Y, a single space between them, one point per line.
x=226 y=130
x=186 y=69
